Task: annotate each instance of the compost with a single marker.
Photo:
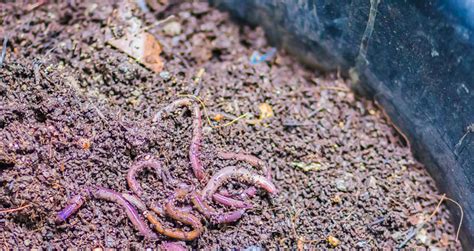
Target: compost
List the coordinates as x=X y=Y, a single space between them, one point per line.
x=221 y=141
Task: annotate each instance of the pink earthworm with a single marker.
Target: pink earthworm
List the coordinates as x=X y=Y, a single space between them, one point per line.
x=174 y=105
x=230 y=217
x=230 y=202
x=106 y=194
x=195 y=148
x=183 y=217
x=247 y=193
x=138 y=167
x=72 y=206
x=202 y=206
x=135 y=201
x=112 y=196
x=172 y=246
x=234 y=172
x=178 y=234
x=224 y=199
x=252 y=160
x=211 y=214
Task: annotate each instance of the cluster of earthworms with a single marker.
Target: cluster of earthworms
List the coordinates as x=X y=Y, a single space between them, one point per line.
x=199 y=199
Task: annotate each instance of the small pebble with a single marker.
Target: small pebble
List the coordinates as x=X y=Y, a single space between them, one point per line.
x=172 y=29
x=341 y=185
x=165 y=75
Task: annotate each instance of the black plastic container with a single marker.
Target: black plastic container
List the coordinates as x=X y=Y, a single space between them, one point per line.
x=415 y=58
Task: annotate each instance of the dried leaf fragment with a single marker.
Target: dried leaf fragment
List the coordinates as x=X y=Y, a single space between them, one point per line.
x=143 y=47
x=306 y=167
x=333 y=241
x=266 y=111
x=218 y=117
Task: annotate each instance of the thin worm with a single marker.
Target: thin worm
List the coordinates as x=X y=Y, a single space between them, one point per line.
x=234 y=172
x=172 y=246
x=72 y=206
x=134 y=200
x=106 y=194
x=174 y=105
x=246 y=194
x=225 y=199
x=195 y=148
x=138 y=167
x=172 y=233
x=202 y=206
x=230 y=217
x=183 y=217
x=211 y=214
x=252 y=160
x=112 y=196
x=230 y=202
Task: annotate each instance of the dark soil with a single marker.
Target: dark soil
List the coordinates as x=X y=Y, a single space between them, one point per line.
x=75 y=112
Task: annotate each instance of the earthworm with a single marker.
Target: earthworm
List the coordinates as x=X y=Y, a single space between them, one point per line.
x=106 y=194
x=174 y=213
x=183 y=217
x=252 y=160
x=211 y=213
x=137 y=167
x=234 y=172
x=72 y=206
x=172 y=246
x=230 y=202
x=225 y=198
x=201 y=205
x=112 y=196
x=249 y=192
x=172 y=233
x=230 y=217
x=134 y=200
x=195 y=148
x=176 y=104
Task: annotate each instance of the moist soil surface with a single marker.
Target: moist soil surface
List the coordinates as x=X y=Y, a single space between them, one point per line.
x=76 y=112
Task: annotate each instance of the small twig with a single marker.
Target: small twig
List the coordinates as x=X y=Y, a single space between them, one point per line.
x=234 y=120
x=377 y=221
x=410 y=235
x=32 y=7
x=413 y=232
x=197 y=80
x=469 y=129
x=11 y=210
x=160 y=22
x=462 y=215
x=293 y=123
x=420 y=225
x=206 y=113
x=334 y=88
x=4 y=50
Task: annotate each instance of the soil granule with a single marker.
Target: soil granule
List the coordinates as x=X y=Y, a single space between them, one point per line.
x=76 y=112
